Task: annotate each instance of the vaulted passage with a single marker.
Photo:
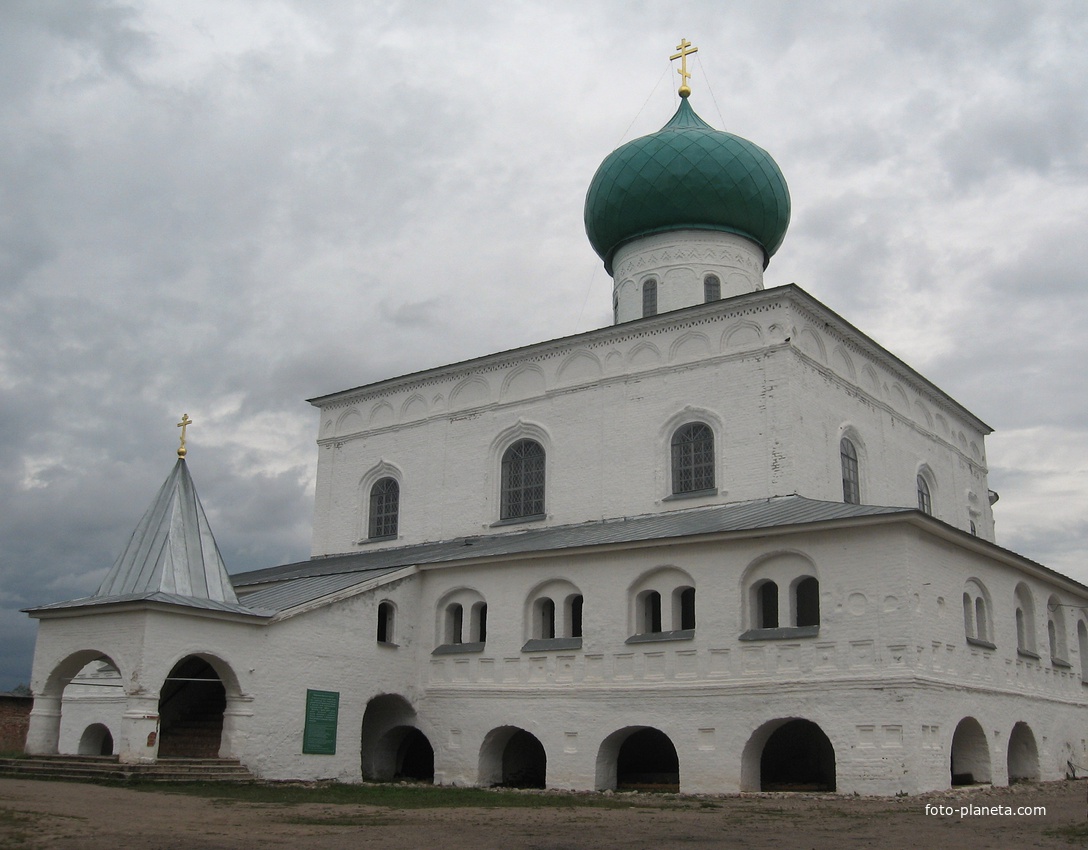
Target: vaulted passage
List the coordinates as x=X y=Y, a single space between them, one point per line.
x=191 y=705
x=1023 y=757
x=415 y=757
x=647 y=761
x=392 y=746
x=970 y=762
x=513 y=758
x=798 y=756
x=524 y=763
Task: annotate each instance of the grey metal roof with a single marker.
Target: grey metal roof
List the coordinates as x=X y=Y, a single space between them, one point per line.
x=299 y=591
x=156 y=596
x=172 y=550
x=739 y=516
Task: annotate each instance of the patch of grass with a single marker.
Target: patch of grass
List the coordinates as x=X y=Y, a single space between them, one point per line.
x=363 y=820
x=394 y=796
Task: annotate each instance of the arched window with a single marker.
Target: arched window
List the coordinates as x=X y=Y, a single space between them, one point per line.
x=386 y=620
x=1025 y=621
x=523 y=480
x=925 y=501
x=692 y=458
x=546 y=619
x=479 y=612
x=976 y=615
x=1082 y=644
x=649 y=297
x=684 y=602
x=851 y=486
x=651 y=613
x=384 y=508
x=553 y=617
x=807 y=602
x=455 y=623
x=1055 y=629
x=662 y=606
x=781 y=598
x=766 y=608
x=712 y=288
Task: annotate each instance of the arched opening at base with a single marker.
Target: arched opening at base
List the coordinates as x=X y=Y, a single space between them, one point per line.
x=797 y=756
x=96 y=740
x=970 y=760
x=1023 y=756
x=405 y=753
x=391 y=745
x=191 y=705
x=513 y=758
x=647 y=761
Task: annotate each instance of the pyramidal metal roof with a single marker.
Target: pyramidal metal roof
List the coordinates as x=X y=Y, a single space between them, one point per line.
x=172 y=550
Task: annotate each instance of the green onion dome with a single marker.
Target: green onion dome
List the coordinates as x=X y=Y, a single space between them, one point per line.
x=687 y=176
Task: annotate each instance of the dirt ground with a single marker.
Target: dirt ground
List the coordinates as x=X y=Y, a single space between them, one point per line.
x=36 y=814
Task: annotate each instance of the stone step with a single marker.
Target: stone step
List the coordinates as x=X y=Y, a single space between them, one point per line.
x=108 y=768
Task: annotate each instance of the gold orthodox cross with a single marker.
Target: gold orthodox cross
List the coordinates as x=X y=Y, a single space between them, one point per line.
x=183 y=424
x=686 y=50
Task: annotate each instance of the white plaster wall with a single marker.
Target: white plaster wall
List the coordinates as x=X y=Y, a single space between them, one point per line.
x=679 y=261
x=778 y=385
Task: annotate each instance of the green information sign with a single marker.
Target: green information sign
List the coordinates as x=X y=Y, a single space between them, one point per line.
x=322 y=711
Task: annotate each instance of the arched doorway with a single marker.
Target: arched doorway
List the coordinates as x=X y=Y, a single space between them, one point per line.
x=96 y=740
x=970 y=759
x=638 y=758
x=1023 y=755
x=92 y=703
x=791 y=755
x=57 y=718
x=391 y=745
x=513 y=758
x=191 y=705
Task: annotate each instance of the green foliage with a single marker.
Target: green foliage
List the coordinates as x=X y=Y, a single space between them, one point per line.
x=397 y=796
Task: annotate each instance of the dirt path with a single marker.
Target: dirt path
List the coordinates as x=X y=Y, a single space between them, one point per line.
x=88 y=817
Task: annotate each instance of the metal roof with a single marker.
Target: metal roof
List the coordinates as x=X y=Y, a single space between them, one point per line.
x=156 y=596
x=172 y=550
x=299 y=591
x=740 y=516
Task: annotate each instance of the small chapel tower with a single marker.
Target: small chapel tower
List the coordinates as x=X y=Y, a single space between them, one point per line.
x=686 y=215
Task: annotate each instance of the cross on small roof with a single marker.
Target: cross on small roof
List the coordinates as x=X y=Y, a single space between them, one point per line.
x=686 y=50
x=183 y=424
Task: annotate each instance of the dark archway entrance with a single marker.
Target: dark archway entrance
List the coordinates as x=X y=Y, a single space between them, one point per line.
x=191 y=705
x=647 y=761
x=798 y=756
x=392 y=747
x=513 y=758
x=1023 y=756
x=415 y=758
x=970 y=761
x=96 y=740
x=524 y=763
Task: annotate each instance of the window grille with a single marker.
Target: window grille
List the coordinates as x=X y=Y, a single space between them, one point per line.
x=384 y=508
x=693 y=459
x=925 y=502
x=851 y=489
x=649 y=298
x=712 y=288
x=523 y=480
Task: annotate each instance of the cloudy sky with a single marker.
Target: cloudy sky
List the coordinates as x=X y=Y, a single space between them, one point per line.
x=223 y=208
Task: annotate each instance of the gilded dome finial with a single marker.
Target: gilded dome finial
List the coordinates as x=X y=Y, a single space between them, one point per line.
x=183 y=424
x=686 y=50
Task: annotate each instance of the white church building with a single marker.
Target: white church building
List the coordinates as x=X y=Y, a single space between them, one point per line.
x=728 y=543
